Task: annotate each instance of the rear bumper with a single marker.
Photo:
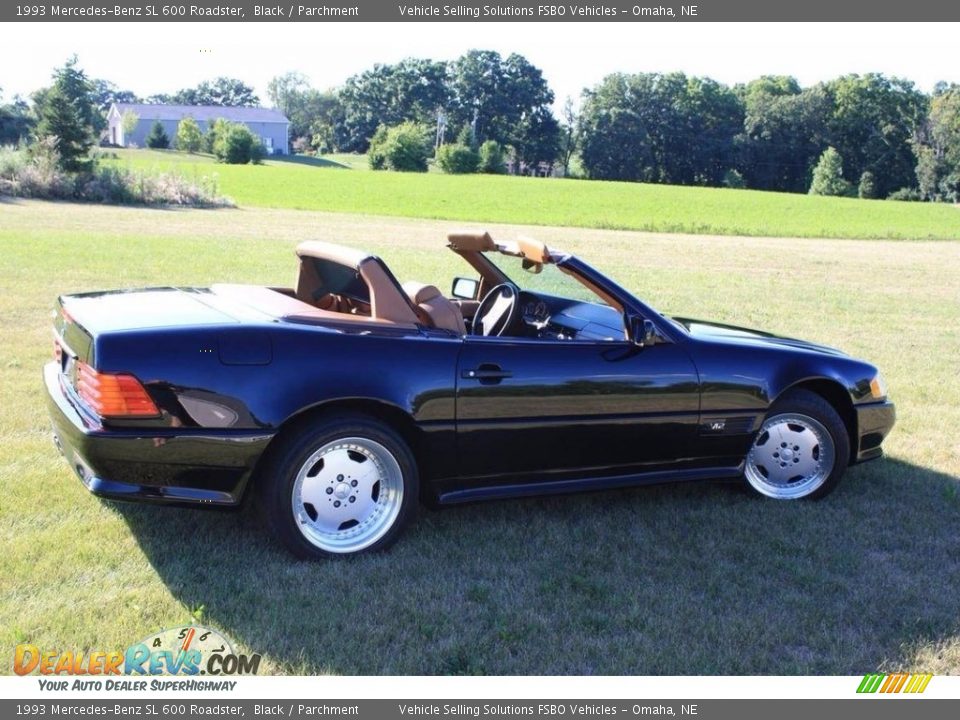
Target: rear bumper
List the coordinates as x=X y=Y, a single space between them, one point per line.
x=874 y=422
x=179 y=466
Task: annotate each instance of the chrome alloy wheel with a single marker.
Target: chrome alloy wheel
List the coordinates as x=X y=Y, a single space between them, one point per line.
x=792 y=456
x=347 y=495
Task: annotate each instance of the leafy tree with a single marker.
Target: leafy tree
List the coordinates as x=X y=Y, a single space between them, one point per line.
x=937 y=146
x=66 y=113
x=411 y=90
x=569 y=135
x=828 y=175
x=236 y=145
x=504 y=99
x=784 y=133
x=157 y=138
x=616 y=141
x=404 y=147
x=491 y=158
x=223 y=91
x=326 y=129
x=189 y=137
x=214 y=130
x=283 y=90
x=103 y=94
x=457 y=159
x=16 y=123
x=536 y=139
x=128 y=122
x=292 y=95
x=700 y=149
x=659 y=128
x=872 y=122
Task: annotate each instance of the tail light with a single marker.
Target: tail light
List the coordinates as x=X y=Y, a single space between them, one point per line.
x=57 y=352
x=113 y=395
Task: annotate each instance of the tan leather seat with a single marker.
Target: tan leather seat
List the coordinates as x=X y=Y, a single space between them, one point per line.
x=434 y=308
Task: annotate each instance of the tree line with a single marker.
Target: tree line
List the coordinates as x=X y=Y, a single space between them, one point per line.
x=880 y=136
x=871 y=135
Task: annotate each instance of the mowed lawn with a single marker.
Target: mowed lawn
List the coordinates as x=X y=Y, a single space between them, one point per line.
x=681 y=579
x=334 y=185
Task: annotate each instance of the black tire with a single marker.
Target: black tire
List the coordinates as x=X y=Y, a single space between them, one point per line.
x=278 y=481
x=799 y=404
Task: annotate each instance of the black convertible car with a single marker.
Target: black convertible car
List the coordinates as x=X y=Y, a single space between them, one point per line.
x=342 y=402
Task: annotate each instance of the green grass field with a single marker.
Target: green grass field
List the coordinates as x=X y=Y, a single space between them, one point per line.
x=311 y=184
x=683 y=579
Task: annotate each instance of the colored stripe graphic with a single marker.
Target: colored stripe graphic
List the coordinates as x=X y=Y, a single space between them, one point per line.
x=894 y=683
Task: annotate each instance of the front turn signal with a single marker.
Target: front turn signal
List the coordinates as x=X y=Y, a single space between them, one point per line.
x=878 y=387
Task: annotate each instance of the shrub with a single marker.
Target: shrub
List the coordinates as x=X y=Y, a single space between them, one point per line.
x=906 y=194
x=492 y=158
x=157 y=138
x=213 y=131
x=457 y=159
x=403 y=147
x=376 y=155
x=236 y=145
x=189 y=137
x=36 y=173
x=734 y=179
x=867 y=189
x=828 y=175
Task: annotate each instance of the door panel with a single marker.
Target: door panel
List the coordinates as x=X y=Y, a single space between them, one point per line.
x=541 y=406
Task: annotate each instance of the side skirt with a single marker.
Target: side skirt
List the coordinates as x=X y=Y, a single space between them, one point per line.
x=557 y=487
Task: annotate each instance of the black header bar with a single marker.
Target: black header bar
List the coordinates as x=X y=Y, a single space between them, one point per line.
x=471 y=11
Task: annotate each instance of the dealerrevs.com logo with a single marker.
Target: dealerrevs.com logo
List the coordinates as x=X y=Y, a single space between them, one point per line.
x=894 y=683
x=186 y=651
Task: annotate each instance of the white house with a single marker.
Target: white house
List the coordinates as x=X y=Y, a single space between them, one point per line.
x=271 y=126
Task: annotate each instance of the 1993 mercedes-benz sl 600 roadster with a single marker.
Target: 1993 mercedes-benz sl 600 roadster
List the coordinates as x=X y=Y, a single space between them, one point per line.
x=341 y=403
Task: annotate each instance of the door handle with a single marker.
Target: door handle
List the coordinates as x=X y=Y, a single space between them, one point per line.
x=486 y=371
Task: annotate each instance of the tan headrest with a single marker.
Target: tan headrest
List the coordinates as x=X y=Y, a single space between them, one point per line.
x=335 y=253
x=475 y=241
x=533 y=249
x=420 y=293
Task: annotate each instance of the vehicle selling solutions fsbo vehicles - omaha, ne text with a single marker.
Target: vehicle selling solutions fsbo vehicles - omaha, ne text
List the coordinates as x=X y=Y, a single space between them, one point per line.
x=340 y=403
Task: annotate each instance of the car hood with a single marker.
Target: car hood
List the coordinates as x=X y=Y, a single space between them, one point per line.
x=733 y=335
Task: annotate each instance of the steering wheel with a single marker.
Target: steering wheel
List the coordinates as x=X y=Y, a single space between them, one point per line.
x=497 y=311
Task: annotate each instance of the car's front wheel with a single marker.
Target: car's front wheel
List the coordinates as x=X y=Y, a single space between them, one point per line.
x=801 y=450
x=344 y=486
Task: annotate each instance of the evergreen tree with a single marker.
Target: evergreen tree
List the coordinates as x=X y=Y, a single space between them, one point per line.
x=828 y=175
x=67 y=114
x=158 y=139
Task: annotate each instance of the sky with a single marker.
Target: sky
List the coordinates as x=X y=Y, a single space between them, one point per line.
x=150 y=58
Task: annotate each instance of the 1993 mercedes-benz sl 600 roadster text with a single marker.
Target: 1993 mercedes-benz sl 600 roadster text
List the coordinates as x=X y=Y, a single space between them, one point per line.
x=341 y=403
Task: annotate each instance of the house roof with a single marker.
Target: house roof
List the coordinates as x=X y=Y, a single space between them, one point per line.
x=202 y=112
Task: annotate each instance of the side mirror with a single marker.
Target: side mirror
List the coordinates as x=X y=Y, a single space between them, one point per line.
x=465 y=288
x=531 y=266
x=643 y=332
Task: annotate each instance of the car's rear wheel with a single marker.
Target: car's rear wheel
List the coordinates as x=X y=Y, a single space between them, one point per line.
x=801 y=450
x=344 y=486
